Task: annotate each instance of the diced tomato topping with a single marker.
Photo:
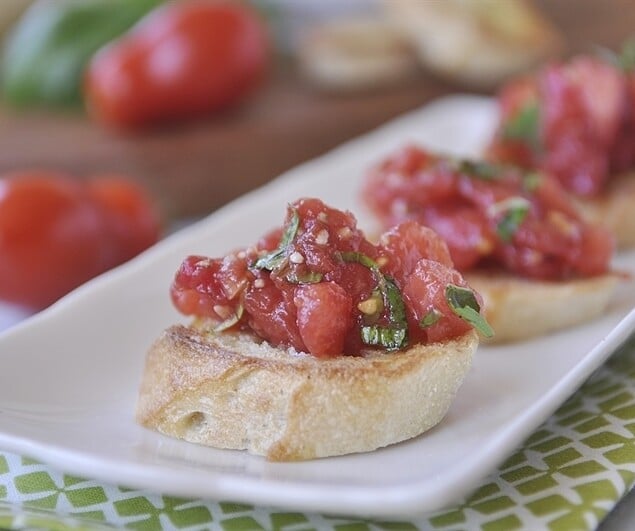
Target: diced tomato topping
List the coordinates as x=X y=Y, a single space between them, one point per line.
x=408 y=243
x=574 y=120
x=324 y=317
x=319 y=286
x=197 y=287
x=425 y=292
x=271 y=313
x=489 y=215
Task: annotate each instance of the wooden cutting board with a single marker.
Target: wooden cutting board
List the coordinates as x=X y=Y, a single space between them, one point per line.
x=197 y=167
x=193 y=169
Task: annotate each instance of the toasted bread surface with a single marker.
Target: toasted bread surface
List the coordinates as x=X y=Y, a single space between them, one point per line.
x=614 y=209
x=356 y=54
x=520 y=308
x=478 y=42
x=232 y=391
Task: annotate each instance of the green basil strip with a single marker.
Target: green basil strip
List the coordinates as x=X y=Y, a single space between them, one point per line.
x=485 y=171
x=394 y=301
x=310 y=277
x=391 y=338
x=394 y=336
x=532 y=181
x=273 y=259
x=432 y=317
x=354 y=256
x=525 y=125
x=463 y=303
x=228 y=323
x=514 y=211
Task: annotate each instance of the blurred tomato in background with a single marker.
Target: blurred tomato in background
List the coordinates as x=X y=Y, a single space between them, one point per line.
x=200 y=101
x=133 y=63
x=184 y=60
x=57 y=232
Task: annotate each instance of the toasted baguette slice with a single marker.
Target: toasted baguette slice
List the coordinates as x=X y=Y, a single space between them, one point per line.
x=614 y=209
x=229 y=391
x=521 y=309
x=478 y=42
x=356 y=54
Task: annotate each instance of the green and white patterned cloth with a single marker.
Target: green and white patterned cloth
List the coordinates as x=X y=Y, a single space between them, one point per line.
x=568 y=475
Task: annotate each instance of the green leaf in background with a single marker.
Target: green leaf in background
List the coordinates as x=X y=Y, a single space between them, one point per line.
x=45 y=54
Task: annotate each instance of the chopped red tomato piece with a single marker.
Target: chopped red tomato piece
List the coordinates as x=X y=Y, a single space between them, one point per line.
x=488 y=214
x=319 y=286
x=425 y=292
x=574 y=120
x=324 y=316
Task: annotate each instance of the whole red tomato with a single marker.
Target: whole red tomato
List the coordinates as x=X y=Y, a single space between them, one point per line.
x=132 y=222
x=56 y=233
x=183 y=60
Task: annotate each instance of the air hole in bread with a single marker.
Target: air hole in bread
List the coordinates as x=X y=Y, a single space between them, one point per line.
x=195 y=421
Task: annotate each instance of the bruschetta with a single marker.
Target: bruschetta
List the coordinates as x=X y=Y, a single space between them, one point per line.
x=515 y=235
x=314 y=342
x=576 y=121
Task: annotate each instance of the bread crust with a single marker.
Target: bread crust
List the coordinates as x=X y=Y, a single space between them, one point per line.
x=518 y=308
x=356 y=54
x=479 y=43
x=229 y=391
x=614 y=209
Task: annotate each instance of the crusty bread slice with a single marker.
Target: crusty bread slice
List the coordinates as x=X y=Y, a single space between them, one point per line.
x=356 y=54
x=477 y=42
x=518 y=308
x=229 y=391
x=614 y=209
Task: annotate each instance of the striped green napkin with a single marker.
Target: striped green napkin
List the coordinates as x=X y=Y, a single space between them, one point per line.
x=568 y=475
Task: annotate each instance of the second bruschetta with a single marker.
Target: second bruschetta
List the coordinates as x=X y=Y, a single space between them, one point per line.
x=576 y=121
x=514 y=234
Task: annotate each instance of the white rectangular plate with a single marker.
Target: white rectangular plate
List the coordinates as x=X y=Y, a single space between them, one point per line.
x=69 y=376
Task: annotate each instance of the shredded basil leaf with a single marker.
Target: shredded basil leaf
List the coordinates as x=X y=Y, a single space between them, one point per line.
x=531 y=181
x=275 y=258
x=309 y=277
x=228 y=323
x=432 y=317
x=485 y=171
x=391 y=338
x=514 y=210
x=394 y=336
x=463 y=303
x=525 y=125
x=354 y=256
x=394 y=300
x=510 y=222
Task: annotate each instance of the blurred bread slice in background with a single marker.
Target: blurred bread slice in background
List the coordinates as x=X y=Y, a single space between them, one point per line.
x=479 y=43
x=613 y=209
x=356 y=53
